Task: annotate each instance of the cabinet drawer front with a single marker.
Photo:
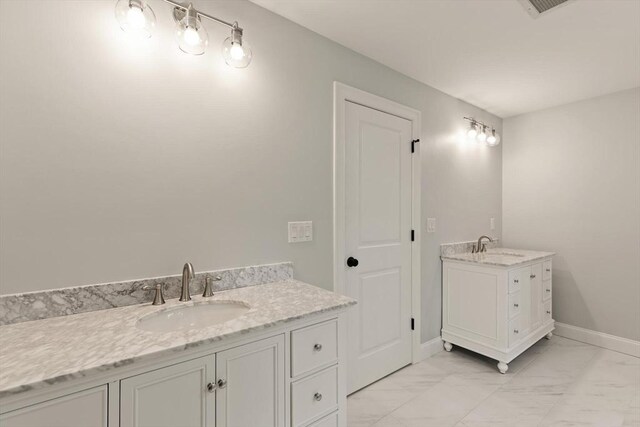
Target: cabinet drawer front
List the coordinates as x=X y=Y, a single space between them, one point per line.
x=85 y=408
x=314 y=396
x=515 y=280
x=314 y=347
x=546 y=290
x=546 y=270
x=328 y=421
x=514 y=304
x=514 y=331
x=546 y=311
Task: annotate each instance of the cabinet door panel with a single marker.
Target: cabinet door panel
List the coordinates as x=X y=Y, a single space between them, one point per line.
x=173 y=396
x=253 y=394
x=82 y=409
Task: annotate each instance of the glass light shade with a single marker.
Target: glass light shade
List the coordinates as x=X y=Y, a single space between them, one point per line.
x=191 y=35
x=493 y=139
x=473 y=131
x=236 y=53
x=136 y=18
x=482 y=136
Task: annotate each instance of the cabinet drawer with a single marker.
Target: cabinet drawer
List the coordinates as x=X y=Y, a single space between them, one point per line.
x=517 y=277
x=514 y=330
x=546 y=311
x=546 y=290
x=514 y=304
x=313 y=347
x=546 y=270
x=314 y=396
x=328 y=421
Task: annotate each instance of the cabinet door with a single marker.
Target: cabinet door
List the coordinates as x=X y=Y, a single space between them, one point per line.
x=251 y=385
x=173 y=396
x=82 y=409
x=536 y=296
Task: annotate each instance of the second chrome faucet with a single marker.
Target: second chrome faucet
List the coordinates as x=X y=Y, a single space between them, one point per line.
x=187 y=275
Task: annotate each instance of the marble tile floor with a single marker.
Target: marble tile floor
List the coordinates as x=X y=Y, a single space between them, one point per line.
x=557 y=382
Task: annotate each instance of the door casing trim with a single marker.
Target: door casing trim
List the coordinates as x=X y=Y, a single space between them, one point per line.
x=341 y=95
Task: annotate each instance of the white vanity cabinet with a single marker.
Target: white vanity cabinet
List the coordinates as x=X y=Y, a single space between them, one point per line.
x=496 y=311
x=292 y=376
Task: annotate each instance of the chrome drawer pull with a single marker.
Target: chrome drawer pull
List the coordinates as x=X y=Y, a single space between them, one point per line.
x=516 y=305
x=548 y=290
x=533 y=276
x=317 y=397
x=548 y=270
x=317 y=347
x=515 y=281
x=222 y=383
x=548 y=312
x=211 y=387
x=515 y=331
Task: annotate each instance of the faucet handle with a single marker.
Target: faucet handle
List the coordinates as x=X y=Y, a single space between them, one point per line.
x=208 y=289
x=158 y=298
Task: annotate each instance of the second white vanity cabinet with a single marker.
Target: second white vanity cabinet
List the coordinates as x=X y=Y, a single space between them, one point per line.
x=496 y=310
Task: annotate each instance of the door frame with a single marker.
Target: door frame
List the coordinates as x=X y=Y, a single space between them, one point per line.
x=341 y=95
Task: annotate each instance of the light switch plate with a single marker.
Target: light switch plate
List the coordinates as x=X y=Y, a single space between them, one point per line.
x=431 y=225
x=300 y=231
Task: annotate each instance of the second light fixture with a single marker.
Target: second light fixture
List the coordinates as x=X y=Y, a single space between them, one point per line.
x=137 y=18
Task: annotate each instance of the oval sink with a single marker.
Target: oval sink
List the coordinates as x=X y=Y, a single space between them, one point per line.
x=192 y=316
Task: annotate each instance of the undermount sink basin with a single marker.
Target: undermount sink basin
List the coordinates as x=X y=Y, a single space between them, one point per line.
x=192 y=316
x=505 y=254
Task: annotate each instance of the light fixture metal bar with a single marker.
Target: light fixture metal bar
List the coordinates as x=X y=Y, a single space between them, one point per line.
x=476 y=121
x=204 y=15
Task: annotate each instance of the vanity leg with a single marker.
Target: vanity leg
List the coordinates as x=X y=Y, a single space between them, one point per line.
x=448 y=346
x=549 y=335
x=503 y=367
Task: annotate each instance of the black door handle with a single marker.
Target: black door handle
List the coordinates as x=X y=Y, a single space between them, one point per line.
x=352 y=262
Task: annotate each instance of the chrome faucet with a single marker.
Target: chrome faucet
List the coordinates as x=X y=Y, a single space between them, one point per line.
x=480 y=247
x=187 y=275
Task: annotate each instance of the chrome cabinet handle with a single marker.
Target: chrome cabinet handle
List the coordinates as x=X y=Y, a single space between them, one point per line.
x=548 y=270
x=548 y=290
x=317 y=397
x=516 y=305
x=211 y=387
x=317 y=347
x=222 y=383
x=548 y=312
x=158 y=298
x=515 y=331
x=516 y=281
x=533 y=276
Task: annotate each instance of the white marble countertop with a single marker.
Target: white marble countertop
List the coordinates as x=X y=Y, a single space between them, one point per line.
x=503 y=257
x=44 y=352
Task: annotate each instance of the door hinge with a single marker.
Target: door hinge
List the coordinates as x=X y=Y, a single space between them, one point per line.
x=413 y=145
x=413 y=235
x=413 y=324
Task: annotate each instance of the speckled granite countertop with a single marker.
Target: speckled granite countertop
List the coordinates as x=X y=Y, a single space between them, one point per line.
x=40 y=353
x=503 y=257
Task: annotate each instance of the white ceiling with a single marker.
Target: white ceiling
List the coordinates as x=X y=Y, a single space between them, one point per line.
x=490 y=53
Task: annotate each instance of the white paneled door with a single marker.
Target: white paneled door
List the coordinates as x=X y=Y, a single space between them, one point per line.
x=377 y=242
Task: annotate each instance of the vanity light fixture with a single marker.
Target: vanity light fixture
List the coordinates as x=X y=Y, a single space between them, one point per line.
x=490 y=138
x=136 y=17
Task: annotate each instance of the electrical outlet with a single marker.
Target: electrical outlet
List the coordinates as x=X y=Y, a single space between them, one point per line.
x=300 y=231
x=492 y=223
x=431 y=225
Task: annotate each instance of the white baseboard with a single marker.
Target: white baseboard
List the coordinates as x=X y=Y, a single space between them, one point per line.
x=431 y=347
x=599 y=339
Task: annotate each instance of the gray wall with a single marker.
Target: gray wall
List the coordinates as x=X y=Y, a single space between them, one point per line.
x=123 y=160
x=572 y=185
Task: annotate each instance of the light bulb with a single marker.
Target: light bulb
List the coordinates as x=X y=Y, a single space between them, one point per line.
x=493 y=139
x=190 y=34
x=482 y=136
x=473 y=131
x=135 y=17
x=235 y=50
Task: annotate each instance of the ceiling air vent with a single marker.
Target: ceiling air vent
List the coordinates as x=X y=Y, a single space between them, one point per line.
x=537 y=7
